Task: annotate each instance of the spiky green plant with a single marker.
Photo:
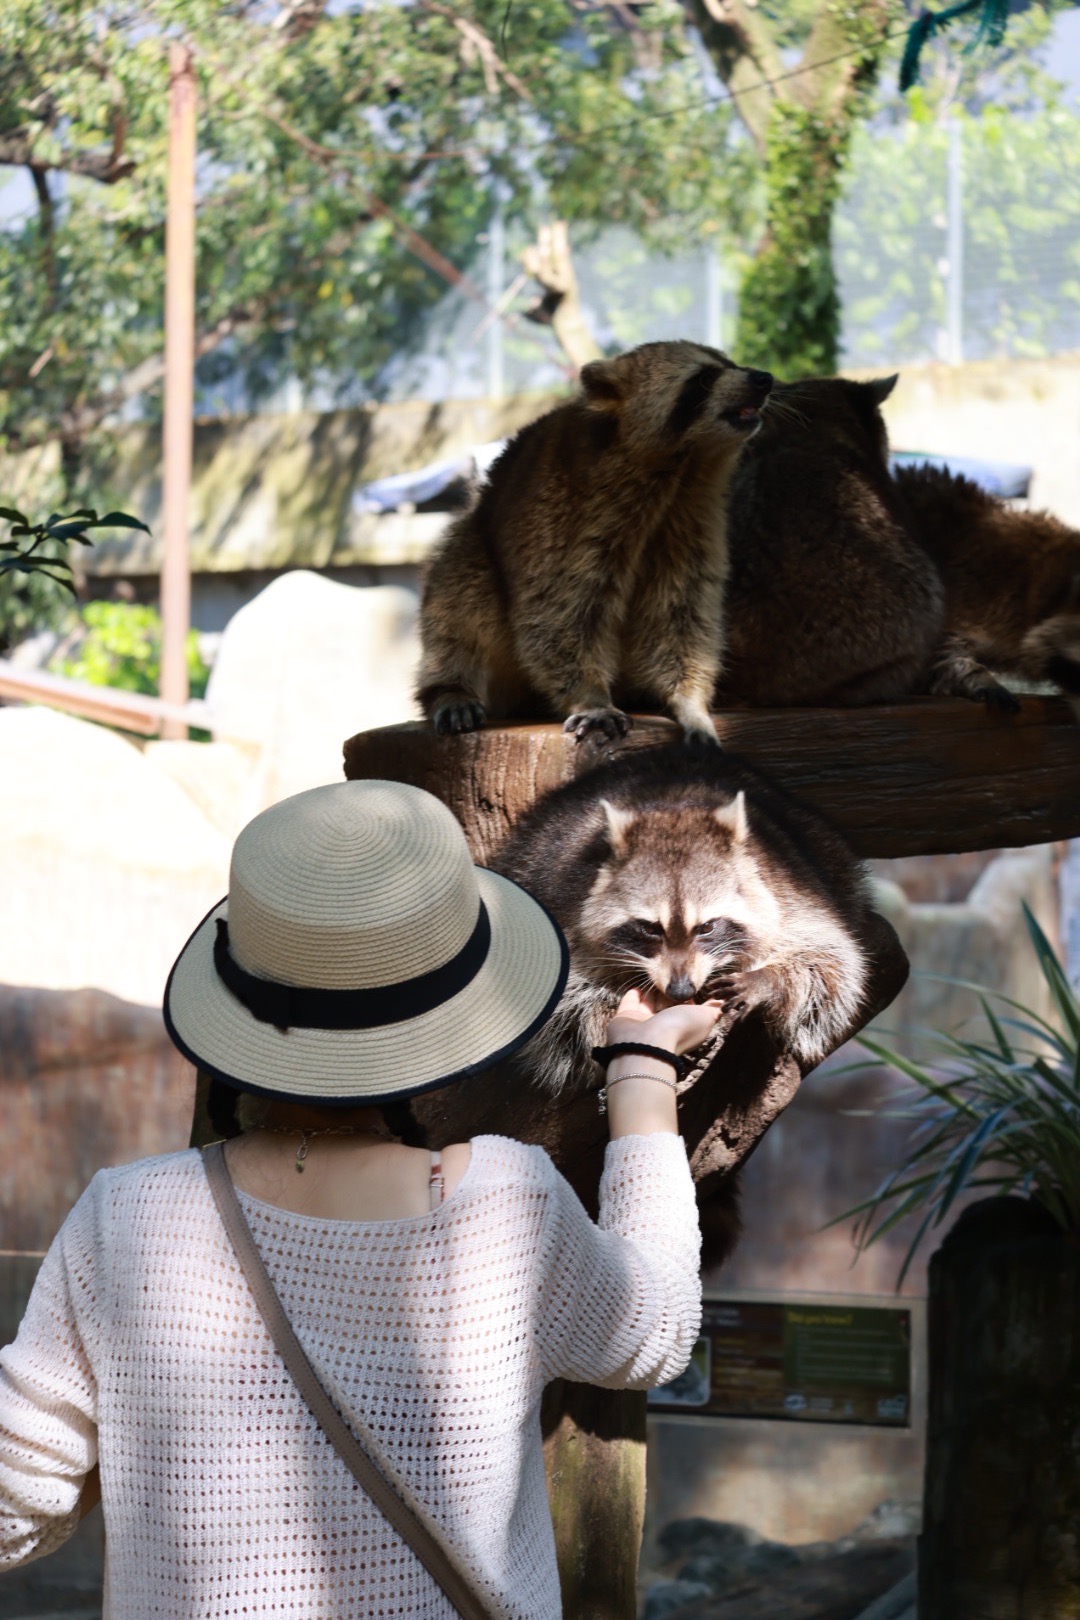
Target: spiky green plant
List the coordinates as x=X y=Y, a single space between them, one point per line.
x=1002 y=1116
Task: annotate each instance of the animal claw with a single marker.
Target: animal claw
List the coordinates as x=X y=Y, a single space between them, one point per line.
x=611 y=723
x=996 y=696
x=741 y=993
x=454 y=715
x=700 y=739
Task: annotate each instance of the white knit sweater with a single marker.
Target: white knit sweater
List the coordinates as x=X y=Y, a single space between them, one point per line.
x=221 y=1496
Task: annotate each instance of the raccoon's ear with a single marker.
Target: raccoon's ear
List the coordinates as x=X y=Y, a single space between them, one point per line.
x=733 y=817
x=604 y=384
x=879 y=388
x=619 y=823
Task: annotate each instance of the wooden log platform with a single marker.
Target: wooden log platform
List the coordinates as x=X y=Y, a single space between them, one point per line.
x=929 y=777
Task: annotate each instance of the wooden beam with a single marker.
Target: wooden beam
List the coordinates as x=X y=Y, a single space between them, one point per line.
x=927 y=777
x=131 y=711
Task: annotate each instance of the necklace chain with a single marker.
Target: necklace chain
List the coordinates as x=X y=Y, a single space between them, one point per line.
x=326 y=1130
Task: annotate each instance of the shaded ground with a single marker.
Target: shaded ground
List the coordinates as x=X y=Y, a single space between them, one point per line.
x=712 y=1570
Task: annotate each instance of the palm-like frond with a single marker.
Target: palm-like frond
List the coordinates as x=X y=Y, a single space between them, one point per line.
x=1001 y=1114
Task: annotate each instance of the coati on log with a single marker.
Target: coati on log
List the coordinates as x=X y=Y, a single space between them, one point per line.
x=690 y=877
x=1012 y=588
x=830 y=598
x=590 y=569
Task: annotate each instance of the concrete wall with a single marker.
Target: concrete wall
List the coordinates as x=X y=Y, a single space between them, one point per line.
x=1021 y=411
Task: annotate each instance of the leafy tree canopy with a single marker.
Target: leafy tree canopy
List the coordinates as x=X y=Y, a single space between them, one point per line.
x=342 y=155
x=1020 y=141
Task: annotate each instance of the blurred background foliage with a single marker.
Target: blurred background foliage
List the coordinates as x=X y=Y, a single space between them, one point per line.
x=346 y=151
x=118 y=644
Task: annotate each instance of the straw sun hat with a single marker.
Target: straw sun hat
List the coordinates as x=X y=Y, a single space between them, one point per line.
x=360 y=956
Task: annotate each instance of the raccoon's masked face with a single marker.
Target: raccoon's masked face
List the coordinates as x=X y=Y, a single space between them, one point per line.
x=669 y=396
x=679 y=900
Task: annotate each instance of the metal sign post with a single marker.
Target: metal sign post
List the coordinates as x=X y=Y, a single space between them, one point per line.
x=179 y=381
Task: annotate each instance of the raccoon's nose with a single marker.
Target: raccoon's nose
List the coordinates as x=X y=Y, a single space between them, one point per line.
x=761 y=379
x=681 y=988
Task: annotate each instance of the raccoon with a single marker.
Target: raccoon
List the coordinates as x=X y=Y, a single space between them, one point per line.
x=1012 y=588
x=691 y=878
x=591 y=568
x=830 y=598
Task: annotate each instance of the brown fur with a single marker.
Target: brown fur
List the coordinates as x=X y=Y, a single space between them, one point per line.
x=678 y=836
x=590 y=571
x=830 y=600
x=656 y=838
x=1012 y=588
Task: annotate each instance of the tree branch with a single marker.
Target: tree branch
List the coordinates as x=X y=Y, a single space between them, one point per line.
x=17 y=149
x=82 y=419
x=741 y=42
x=834 y=68
x=477 y=46
x=548 y=261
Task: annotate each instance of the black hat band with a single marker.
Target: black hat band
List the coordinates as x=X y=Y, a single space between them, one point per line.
x=292 y=1006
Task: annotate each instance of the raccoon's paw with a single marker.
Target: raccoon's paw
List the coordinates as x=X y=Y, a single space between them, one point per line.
x=456 y=712
x=611 y=724
x=996 y=696
x=742 y=992
x=700 y=738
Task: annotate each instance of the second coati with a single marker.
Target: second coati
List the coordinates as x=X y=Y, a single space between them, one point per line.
x=690 y=878
x=830 y=598
x=1012 y=588
x=589 y=573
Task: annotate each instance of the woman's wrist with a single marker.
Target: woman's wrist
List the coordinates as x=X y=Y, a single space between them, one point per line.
x=640 y=1104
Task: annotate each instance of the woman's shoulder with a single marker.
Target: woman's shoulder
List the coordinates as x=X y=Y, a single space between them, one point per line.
x=158 y=1179
x=503 y=1158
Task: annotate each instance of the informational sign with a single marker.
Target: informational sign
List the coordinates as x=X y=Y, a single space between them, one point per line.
x=820 y=1362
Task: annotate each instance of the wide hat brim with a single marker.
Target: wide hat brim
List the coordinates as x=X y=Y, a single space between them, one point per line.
x=511 y=996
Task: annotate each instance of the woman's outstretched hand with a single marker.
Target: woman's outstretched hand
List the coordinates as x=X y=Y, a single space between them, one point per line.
x=677 y=1029
x=640 y=1093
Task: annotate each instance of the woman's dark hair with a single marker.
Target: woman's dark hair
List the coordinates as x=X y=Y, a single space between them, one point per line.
x=223 y=1111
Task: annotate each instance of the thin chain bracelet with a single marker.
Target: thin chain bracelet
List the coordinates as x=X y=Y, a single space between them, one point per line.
x=661 y=1079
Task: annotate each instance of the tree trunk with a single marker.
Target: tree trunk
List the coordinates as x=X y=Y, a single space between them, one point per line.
x=800 y=119
x=548 y=260
x=789 y=308
x=1002 y=1518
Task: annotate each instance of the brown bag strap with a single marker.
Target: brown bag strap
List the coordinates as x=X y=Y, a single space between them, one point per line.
x=408 y=1518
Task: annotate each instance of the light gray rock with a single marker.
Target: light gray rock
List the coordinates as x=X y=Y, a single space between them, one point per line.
x=106 y=864
x=307 y=664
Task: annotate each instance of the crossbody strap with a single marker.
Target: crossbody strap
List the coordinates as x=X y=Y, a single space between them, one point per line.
x=408 y=1518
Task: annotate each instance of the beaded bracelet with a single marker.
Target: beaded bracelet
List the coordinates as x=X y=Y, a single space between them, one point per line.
x=661 y=1079
x=605 y=1054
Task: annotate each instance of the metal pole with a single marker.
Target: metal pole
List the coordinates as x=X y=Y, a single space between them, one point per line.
x=496 y=281
x=954 y=249
x=714 y=299
x=179 y=381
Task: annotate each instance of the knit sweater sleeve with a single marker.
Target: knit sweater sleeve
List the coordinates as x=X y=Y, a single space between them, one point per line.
x=48 y=1397
x=620 y=1304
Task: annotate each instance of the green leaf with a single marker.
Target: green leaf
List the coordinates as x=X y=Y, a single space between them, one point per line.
x=70 y=529
x=12 y=515
x=119 y=520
